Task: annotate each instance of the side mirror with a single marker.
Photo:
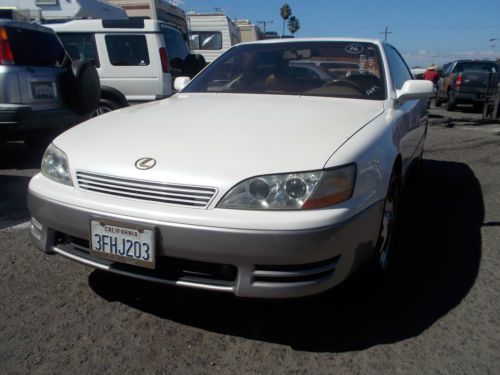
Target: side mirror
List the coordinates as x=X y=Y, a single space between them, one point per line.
x=415 y=89
x=181 y=82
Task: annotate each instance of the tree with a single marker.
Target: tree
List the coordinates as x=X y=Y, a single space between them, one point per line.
x=293 y=24
x=285 y=12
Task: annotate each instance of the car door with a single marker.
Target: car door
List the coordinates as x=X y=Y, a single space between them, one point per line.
x=410 y=116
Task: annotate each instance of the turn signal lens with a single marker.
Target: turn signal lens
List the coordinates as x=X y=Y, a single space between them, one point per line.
x=336 y=186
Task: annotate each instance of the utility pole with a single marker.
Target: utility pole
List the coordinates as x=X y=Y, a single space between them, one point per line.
x=386 y=32
x=264 y=23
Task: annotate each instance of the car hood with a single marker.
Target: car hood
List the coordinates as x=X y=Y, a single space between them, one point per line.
x=216 y=140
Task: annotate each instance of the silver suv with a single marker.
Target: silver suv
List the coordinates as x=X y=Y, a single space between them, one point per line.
x=137 y=59
x=42 y=92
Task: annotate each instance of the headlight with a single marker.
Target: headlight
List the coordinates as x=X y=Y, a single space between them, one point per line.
x=294 y=191
x=55 y=166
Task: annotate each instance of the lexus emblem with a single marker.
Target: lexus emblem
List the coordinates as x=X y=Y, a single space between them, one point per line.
x=145 y=163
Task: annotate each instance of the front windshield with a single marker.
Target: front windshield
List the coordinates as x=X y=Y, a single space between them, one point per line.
x=332 y=69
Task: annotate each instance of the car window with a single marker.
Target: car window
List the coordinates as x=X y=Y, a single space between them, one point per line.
x=488 y=67
x=127 y=50
x=399 y=70
x=80 y=46
x=35 y=48
x=176 y=47
x=208 y=40
x=333 y=69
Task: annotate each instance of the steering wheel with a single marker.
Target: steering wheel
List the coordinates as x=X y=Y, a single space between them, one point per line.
x=344 y=83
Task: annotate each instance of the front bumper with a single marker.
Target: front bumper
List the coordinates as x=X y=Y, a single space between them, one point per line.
x=472 y=97
x=248 y=263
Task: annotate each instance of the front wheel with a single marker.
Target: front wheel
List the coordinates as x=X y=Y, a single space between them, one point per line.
x=387 y=235
x=105 y=106
x=450 y=101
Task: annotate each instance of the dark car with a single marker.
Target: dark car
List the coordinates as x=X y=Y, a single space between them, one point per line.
x=42 y=92
x=465 y=82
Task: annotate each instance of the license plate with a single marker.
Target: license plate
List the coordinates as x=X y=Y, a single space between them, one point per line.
x=42 y=90
x=125 y=243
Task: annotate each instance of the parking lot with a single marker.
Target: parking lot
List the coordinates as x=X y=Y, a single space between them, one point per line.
x=437 y=314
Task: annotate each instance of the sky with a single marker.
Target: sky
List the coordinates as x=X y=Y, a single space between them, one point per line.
x=424 y=32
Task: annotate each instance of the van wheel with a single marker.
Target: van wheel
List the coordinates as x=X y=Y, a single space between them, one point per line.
x=388 y=227
x=105 y=106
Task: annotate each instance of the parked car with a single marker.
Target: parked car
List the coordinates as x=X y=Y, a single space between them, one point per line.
x=41 y=92
x=136 y=59
x=418 y=73
x=465 y=82
x=249 y=181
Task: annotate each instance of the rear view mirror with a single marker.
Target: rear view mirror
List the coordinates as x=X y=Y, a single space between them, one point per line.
x=415 y=89
x=181 y=82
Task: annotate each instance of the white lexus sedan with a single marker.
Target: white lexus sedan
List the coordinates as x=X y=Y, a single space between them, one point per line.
x=260 y=177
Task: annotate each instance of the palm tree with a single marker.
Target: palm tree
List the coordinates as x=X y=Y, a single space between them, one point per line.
x=285 y=12
x=293 y=24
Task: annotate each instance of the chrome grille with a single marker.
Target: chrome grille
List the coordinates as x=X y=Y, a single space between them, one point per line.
x=182 y=195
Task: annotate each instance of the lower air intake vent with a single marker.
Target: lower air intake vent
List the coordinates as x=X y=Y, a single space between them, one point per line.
x=295 y=273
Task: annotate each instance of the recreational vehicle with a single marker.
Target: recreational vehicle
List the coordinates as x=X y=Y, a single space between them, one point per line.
x=160 y=10
x=212 y=34
x=55 y=10
x=248 y=31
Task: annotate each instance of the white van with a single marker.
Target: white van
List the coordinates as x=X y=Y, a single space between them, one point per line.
x=137 y=59
x=212 y=34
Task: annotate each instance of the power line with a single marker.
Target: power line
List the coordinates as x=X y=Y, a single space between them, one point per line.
x=264 y=24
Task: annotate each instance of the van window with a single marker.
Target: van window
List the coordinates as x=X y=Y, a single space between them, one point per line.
x=127 y=50
x=34 y=48
x=209 y=40
x=176 y=47
x=80 y=46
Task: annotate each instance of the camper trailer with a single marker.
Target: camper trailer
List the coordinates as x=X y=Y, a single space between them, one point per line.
x=55 y=10
x=248 y=31
x=211 y=35
x=160 y=10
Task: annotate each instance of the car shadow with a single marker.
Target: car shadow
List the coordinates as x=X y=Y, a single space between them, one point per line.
x=13 y=195
x=437 y=264
x=16 y=155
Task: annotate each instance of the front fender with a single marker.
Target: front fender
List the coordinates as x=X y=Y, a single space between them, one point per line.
x=374 y=150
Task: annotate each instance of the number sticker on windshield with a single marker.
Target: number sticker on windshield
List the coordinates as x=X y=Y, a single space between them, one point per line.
x=354 y=48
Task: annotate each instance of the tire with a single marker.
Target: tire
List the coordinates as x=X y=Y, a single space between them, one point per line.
x=193 y=64
x=384 y=250
x=450 y=101
x=81 y=88
x=105 y=106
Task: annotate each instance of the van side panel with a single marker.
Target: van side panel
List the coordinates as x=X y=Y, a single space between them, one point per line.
x=143 y=80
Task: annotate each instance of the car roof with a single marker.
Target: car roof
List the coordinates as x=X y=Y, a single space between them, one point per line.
x=306 y=40
x=98 y=25
x=25 y=25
